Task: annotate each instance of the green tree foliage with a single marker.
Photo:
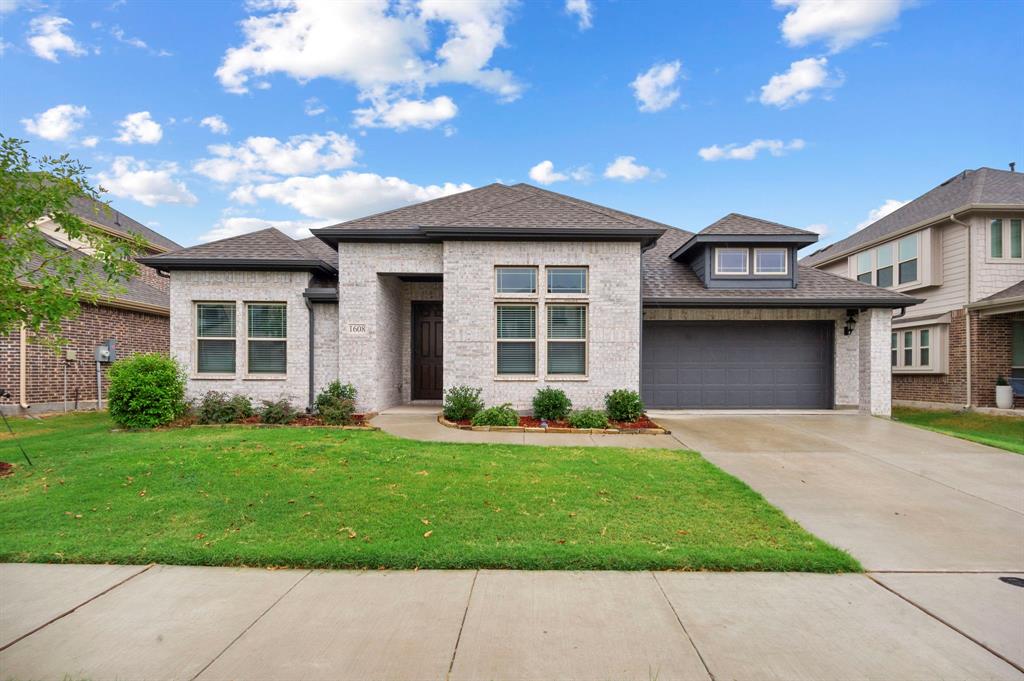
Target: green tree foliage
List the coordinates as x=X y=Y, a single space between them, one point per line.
x=42 y=284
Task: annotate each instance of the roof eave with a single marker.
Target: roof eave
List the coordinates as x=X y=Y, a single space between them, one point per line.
x=167 y=264
x=999 y=305
x=428 y=234
x=743 y=239
x=780 y=302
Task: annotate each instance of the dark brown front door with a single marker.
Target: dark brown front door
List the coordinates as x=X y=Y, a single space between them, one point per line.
x=427 y=357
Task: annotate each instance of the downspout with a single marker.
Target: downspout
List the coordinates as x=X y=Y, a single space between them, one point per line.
x=309 y=306
x=967 y=312
x=22 y=368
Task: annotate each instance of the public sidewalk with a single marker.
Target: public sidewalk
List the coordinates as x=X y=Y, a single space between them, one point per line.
x=161 y=622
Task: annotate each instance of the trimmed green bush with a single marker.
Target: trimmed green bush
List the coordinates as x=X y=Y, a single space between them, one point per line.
x=588 y=418
x=461 y=402
x=504 y=415
x=145 y=391
x=336 y=404
x=218 y=407
x=551 y=404
x=277 y=412
x=624 y=405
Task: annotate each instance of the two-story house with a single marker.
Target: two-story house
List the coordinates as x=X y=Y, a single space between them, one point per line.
x=959 y=247
x=514 y=288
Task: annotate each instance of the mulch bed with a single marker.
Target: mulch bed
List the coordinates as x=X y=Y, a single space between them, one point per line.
x=533 y=422
x=6 y=469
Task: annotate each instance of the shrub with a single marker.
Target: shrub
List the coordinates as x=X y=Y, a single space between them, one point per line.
x=504 y=415
x=551 y=404
x=588 y=418
x=279 y=412
x=1002 y=381
x=336 y=404
x=145 y=391
x=218 y=407
x=624 y=405
x=461 y=402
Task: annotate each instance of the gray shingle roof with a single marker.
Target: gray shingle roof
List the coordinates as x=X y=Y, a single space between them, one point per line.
x=983 y=186
x=744 y=225
x=1015 y=291
x=264 y=247
x=666 y=280
x=119 y=222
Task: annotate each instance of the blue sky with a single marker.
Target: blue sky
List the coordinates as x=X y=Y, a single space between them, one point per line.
x=805 y=112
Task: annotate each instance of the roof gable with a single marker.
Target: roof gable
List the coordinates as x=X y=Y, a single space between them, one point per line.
x=735 y=224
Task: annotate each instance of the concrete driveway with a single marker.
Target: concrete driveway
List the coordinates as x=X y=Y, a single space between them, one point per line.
x=897 y=497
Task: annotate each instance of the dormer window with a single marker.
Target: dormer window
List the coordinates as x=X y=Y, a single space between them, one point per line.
x=771 y=261
x=731 y=261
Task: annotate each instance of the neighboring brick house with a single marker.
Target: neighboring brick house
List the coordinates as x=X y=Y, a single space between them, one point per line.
x=960 y=247
x=41 y=379
x=514 y=288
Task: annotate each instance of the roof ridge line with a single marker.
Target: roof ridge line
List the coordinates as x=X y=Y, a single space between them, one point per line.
x=593 y=208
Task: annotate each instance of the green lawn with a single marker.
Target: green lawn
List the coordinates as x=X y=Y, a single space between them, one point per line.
x=1005 y=432
x=317 y=497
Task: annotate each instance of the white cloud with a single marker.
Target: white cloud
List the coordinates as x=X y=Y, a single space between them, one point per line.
x=385 y=49
x=233 y=226
x=840 y=23
x=7 y=6
x=876 y=214
x=797 y=85
x=121 y=37
x=654 y=89
x=402 y=114
x=314 y=107
x=626 y=168
x=583 y=10
x=260 y=159
x=56 y=123
x=3 y=46
x=544 y=173
x=47 y=38
x=749 y=152
x=150 y=186
x=818 y=228
x=216 y=124
x=345 y=196
x=139 y=127
x=90 y=142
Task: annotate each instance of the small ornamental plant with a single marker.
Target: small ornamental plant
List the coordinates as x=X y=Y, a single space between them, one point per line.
x=503 y=415
x=278 y=412
x=551 y=404
x=146 y=390
x=588 y=418
x=217 y=407
x=461 y=402
x=624 y=405
x=336 y=404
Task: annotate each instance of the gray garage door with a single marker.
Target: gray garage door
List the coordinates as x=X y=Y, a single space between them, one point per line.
x=737 y=365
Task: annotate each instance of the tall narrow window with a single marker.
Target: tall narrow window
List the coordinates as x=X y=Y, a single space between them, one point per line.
x=1015 y=238
x=268 y=331
x=517 y=339
x=907 y=250
x=864 y=267
x=567 y=339
x=770 y=260
x=908 y=348
x=567 y=279
x=215 y=338
x=515 y=279
x=883 y=276
x=1017 y=358
x=995 y=238
x=894 y=348
x=731 y=261
x=924 y=347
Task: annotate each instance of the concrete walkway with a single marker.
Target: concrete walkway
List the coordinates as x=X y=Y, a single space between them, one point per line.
x=161 y=622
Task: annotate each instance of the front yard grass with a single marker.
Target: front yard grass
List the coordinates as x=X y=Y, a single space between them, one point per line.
x=315 y=497
x=1005 y=432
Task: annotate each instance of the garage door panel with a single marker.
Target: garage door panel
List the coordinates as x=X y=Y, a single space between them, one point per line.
x=737 y=365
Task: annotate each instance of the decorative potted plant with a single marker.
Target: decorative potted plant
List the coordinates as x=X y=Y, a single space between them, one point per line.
x=1004 y=394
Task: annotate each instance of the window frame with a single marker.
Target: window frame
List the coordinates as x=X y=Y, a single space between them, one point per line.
x=746 y=261
x=498 y=340
x=585 y=340
x=933 y=347
x=785 y=262
x=1005 y=231
x=916 y=237
x=533 y=269
x=249 y=338
x=549 y=269
x=196 y=371
x=870 y=271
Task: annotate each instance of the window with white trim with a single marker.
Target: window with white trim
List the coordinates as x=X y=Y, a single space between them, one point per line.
x=267 y=338
x=771 y=261
x=907 y=250
x=914 y=349
x=884 y=266
x=567 y=279
x=567 y=339
x=1004 y=239
x=865 y=267
x=215 y=338
x=895 y=348
x=521 y=280
x=516 y=338
x=1017 y=356
x=731 y=261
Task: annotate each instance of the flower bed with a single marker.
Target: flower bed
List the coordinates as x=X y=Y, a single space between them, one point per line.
x=530 y=424
x=359 y=422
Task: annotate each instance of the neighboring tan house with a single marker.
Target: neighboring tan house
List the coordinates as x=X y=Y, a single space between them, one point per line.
x=41 y=380
x=959 y=246
x=514 y=288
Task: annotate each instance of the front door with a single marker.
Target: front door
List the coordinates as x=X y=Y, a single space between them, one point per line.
x=427 y=358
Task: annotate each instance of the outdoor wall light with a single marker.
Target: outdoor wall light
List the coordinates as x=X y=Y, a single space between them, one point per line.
x=851 y=322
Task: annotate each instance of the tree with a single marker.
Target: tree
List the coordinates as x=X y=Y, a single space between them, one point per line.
x=42 y=283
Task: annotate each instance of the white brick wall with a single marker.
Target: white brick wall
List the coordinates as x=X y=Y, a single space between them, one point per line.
x=847 y=354
x=188 y=287
x=325 y=342
x=874 y=327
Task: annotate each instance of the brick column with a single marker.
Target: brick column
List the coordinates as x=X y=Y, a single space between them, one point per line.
x=874 y=327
